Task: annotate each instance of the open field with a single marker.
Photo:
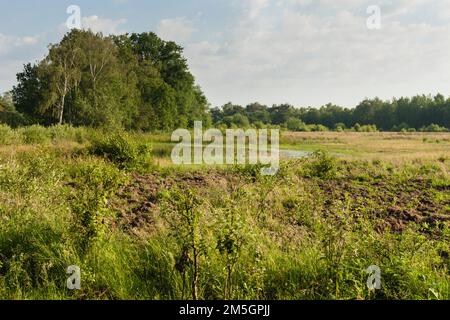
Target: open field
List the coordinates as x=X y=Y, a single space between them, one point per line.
x=397 y=147
x=140 y=227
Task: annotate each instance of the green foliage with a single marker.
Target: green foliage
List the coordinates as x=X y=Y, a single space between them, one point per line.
x=364 y=128
x=218 y=234
x=34 y=134
x=121 y=150
x=294 y=124
x=13 y=119
x=8 y=112
x=230 y=243
x=370 y=115
x=434 y=128
x=141 y=82
x=94 y=185
x=187 y=232
x=135 y=81
x=340 y=127
x=322 y=166
x=252 y=171
x=68 y=133
x=7 y=135
x=318 y=128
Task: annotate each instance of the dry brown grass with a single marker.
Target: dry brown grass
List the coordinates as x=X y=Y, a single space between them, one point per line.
x=397 y=147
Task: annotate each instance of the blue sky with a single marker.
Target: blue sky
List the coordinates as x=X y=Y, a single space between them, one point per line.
x=304 y=52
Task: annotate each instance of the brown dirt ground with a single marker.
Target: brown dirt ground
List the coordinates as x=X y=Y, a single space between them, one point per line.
x=394 y=206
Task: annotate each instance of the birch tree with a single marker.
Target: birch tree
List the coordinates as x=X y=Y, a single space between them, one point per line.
x=100 y=56
x=62 y=67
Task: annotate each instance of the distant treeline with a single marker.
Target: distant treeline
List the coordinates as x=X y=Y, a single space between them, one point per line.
x=141 y=82
x=420 y=113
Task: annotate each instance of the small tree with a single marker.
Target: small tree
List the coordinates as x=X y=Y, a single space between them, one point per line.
x=295 y=124
x=187 y=218
x=323 y=165
x=340 y=127
x=229 y=244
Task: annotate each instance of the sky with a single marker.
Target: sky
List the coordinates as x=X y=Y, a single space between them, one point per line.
x=302 y=52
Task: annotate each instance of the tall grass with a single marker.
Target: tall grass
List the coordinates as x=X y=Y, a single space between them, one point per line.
x=212 y=234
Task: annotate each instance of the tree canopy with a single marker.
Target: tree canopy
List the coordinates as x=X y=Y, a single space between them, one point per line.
x=416 y=113
x=137 y=81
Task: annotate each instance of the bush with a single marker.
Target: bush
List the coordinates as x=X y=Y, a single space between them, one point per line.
x=239 y=120
x=121 y=150
x=13 y=119
x=434 y=128
x=401 y=127
x=94 y=185
x=318 y=128
x=66 y=132
x=294 y=124
x=340 y=127
x=323 y=166
x=6 y=135
x=35 y=134
x=365 y=128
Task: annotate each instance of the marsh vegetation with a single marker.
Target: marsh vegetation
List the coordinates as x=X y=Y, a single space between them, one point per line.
x=141 y=228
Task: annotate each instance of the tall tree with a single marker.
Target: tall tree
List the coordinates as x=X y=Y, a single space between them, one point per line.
x=62 y=69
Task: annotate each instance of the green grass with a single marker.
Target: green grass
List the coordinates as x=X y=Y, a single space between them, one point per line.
x=134 y=227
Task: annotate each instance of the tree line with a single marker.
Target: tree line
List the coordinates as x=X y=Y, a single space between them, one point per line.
x=419 y=113
x=141 y=82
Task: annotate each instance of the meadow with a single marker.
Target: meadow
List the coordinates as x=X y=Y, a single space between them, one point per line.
x=140 y=227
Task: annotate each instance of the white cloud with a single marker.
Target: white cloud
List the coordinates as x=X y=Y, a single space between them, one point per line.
x=443 y=10
x=14 y=52
x=254 y=7
x=104 y=25
x=313 y=57
x=97 y=24
x=8 y=43
x=5 y=43
x=8 y=70
x=177 y=29
x=29 y=40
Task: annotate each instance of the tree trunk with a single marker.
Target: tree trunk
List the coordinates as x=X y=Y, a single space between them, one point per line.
x=94 y=84
x=61 y=109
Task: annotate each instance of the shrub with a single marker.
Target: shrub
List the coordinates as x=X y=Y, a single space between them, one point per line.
x=318 y=128
x=401 y=127
x=434 y=128
x=322 y=166
x=93 y=186
x=340 y=127
x=66 y=132
x=6 y=134
x=249 y=170
x=121 y=150
x=35 y=134
x=365 y=128
x=259 y=125
x=13 y=119
x=185 y=204
x=294 y=124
